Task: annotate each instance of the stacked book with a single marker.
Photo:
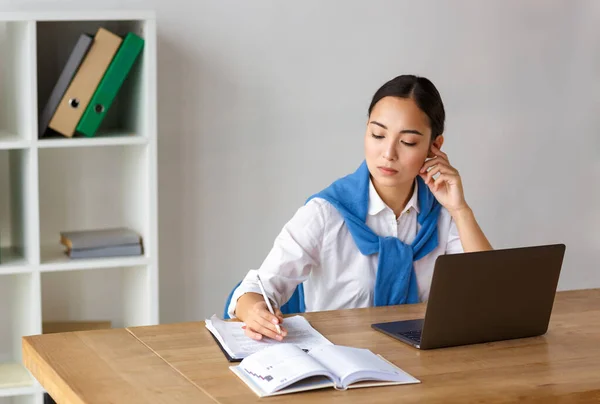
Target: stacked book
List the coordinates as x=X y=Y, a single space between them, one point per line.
x=88 y=84
x=95 y=243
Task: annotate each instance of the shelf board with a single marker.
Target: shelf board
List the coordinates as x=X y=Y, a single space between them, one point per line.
x=16 y=380
x=12 y=262
x=20 y=391
x=9 y=141
x=54 y=259
x=108 y=139
x=67 y=15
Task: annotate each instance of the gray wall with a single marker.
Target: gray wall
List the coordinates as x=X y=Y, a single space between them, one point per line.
x=264 y=102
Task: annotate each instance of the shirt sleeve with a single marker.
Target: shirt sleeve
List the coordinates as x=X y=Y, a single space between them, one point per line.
x=454 y=245
x=295 y=252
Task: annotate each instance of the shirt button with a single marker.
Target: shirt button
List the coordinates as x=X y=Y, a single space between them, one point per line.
x=408 y=210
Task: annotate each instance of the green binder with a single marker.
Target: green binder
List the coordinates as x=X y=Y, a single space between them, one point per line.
x=110 y=84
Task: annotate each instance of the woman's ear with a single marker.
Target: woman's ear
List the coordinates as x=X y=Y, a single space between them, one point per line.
x=437 y=142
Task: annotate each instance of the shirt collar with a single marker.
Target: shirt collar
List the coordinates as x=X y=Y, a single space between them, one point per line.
x=376 y=204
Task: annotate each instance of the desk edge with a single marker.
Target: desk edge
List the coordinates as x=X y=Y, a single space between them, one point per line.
x=55 y=386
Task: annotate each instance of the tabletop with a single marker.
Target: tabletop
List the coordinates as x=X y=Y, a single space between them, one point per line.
x=179 y=363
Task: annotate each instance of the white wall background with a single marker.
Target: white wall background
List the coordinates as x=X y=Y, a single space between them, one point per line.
x=262 y=103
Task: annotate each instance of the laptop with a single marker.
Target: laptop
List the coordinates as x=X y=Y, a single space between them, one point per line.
x=485 y=296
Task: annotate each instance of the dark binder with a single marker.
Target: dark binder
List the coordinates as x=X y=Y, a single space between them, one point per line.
x=77 y=55
x=229 y=358
x=48 y=399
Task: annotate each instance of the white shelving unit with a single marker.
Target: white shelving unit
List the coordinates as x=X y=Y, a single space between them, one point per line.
x=51 y=185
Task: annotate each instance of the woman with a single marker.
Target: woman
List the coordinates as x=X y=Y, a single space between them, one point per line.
x=371 y=237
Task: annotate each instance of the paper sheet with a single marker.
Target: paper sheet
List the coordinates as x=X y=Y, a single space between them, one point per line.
x=231 y=335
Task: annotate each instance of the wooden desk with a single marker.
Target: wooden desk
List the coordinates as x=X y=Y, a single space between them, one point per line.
x=180 y=363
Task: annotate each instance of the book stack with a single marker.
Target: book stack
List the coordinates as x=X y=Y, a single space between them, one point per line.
x=88 y=84
x=95 y=243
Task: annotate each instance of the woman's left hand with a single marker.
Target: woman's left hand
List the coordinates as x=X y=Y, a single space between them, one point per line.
x=447 y=187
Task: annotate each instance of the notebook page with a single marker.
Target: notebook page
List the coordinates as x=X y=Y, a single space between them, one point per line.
x=279 y=366
x=239 y=345
x=351 y=364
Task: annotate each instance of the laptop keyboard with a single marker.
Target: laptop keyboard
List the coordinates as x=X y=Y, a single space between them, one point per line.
x=413 y=335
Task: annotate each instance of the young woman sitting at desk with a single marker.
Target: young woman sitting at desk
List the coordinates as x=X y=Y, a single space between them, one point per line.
x=372 y=237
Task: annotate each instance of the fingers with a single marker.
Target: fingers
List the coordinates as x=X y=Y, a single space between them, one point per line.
x=260 y=310
x=262 y=323
x=252 y=334
x=265 y=328
x=429 y=176
x=279 y=315
x=269 y=318
x=441 y=168
x=271 y=322
x=436 y=161
x=443 y=179
x=257 y=335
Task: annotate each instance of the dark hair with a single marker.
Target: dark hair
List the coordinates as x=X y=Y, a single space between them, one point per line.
x=423 y=92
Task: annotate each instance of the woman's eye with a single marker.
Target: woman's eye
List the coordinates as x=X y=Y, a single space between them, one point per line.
x=376 y=136
x=408 y=144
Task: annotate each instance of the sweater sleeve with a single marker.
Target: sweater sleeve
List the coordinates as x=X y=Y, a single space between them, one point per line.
x=295 y=252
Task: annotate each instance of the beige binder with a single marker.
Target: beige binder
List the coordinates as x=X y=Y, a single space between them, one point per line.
x=85 y=82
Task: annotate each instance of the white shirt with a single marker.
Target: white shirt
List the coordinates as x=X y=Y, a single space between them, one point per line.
x=315 y=246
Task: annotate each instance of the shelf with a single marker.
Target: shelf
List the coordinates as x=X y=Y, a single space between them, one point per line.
x=19 y=314
x=54 y=259
x=25 y=395
x=12 y=262
x=126 y=114
x=69 y=15
x=18 y=392
x=54 y=184
x=15 y=380
x=107 y=139
x=9 y=141
x=16 y=77
x=89 y=188
x=16 y=226
x=119 y=295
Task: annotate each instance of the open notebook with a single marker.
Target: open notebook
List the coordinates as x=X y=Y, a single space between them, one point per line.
x=236 y=345
x=285 y=368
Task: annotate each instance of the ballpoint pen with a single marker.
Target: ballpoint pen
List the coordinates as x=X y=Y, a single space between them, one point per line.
x=262 y=289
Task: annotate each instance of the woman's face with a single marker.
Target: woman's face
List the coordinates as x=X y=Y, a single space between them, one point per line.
x=397 y=141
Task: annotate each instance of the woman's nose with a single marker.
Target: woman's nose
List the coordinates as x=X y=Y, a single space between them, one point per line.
x=390 y=153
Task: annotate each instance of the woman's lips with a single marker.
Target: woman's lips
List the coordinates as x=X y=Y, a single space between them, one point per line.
x=387 y=171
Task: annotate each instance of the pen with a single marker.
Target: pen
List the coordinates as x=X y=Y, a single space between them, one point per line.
x=262 y=289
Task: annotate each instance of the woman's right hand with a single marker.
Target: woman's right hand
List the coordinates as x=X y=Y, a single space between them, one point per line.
x=252 y=309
